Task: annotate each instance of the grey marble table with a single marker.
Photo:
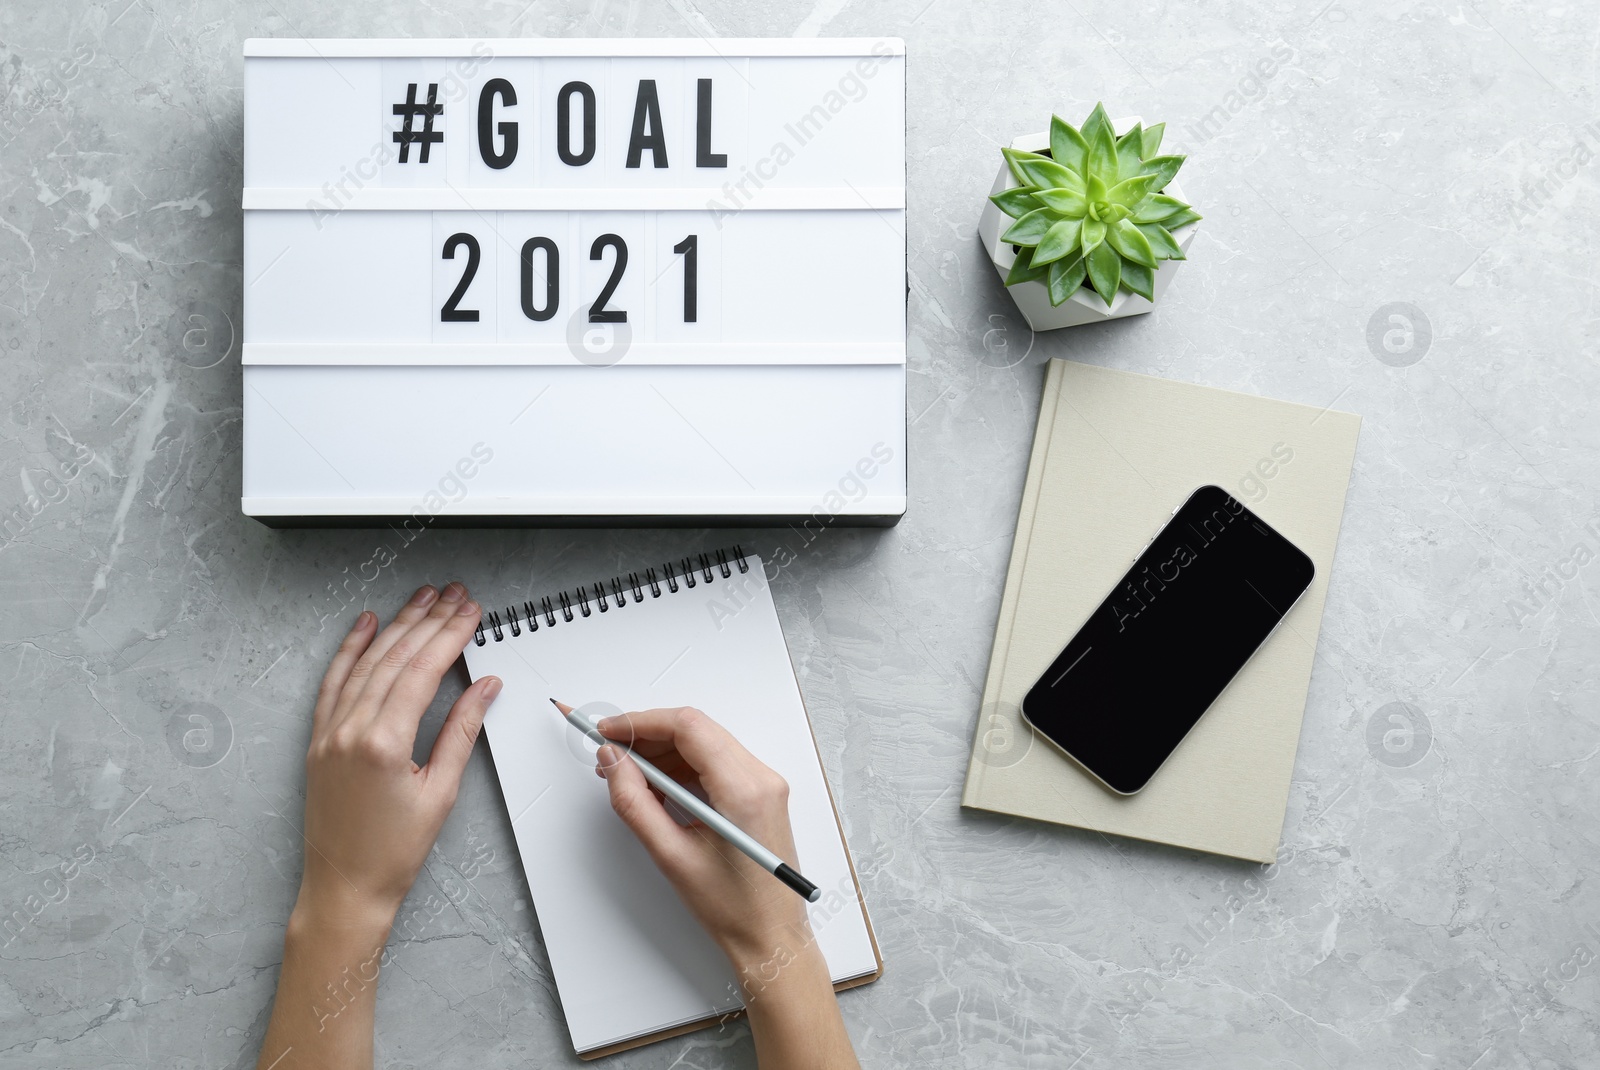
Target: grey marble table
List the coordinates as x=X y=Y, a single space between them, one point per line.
x=1434 y=904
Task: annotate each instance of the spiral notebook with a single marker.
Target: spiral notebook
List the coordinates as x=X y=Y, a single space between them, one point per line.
x=630 y=963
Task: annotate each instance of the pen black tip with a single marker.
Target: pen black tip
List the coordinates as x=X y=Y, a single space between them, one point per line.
x=808 y=891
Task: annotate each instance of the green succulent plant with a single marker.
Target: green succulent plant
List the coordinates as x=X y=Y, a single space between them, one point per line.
x=1093 y=208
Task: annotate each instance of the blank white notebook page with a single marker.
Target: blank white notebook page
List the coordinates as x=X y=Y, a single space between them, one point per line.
x=628 y=958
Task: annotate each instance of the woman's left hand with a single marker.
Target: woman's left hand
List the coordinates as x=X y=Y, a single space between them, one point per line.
x=372 y=814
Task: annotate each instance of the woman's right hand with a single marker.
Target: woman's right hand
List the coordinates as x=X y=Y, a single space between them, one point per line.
x=759 y=923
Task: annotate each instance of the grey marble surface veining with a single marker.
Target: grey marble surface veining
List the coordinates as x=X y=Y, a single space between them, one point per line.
x=1435 y=903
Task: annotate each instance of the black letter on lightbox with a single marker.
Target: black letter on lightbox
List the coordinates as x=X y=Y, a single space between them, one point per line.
x=703 y=156
x=647 y=110
x=508 y=130
x=564 y=124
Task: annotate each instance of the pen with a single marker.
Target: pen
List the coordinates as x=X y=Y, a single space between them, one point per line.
x=699 y=809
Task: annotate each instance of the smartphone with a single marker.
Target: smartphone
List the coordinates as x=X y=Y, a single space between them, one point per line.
x=1201 y=597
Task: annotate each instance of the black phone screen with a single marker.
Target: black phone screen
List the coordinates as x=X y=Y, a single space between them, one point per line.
x=1199 y=600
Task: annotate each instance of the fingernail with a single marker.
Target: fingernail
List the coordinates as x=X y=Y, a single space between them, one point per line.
x=364 y=618
x=607 y=756
x=454 y=592
x=491 y=688
x=468 y=608
x=424 y=595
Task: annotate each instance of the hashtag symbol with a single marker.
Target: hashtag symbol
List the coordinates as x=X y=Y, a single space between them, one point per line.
x=406 y=136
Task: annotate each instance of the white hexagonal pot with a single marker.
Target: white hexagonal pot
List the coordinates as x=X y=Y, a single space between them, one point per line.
x=1084 y=306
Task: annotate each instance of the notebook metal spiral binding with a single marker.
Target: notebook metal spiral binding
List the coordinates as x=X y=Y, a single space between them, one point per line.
x=701 y=568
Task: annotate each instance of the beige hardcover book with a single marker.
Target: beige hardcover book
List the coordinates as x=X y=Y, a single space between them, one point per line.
x=1114 y=453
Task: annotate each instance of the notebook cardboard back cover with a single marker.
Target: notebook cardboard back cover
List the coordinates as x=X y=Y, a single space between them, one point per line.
x=1114 y=453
